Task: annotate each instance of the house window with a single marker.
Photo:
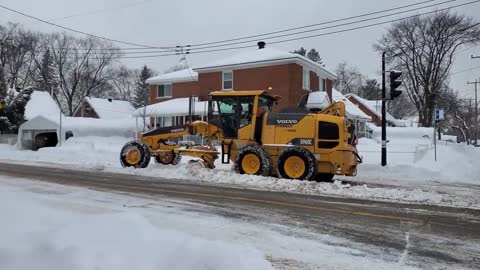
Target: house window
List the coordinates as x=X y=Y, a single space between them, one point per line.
x=164 y=90
x=227 y=80
x=306 y=79
x=323 y=85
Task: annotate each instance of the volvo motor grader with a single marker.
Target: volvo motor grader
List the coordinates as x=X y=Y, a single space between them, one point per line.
x=294 y=144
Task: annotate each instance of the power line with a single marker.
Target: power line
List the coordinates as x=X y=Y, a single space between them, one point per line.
x=465 y=70
x=291 y=29
x=307 y=26
x=328 y=27
x=307 y=31
x=78 y=31
x=311 y=36
x=312 y=25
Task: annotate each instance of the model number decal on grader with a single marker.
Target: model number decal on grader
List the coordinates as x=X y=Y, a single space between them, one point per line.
x=302 y=141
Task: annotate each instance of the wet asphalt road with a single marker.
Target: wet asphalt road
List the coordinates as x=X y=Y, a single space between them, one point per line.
x=428 y=234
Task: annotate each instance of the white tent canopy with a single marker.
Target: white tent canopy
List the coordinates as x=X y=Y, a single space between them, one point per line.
x=76 y=126
x=173 y=107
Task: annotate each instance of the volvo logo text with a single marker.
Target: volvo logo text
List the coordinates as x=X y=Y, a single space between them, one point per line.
x=286 y=122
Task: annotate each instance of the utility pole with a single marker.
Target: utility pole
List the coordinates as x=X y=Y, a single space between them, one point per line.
x=476 y=106
x=476 y=82
x=384 y=114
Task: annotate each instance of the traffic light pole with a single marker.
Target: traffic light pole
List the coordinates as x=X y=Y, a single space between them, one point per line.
x=384 y=115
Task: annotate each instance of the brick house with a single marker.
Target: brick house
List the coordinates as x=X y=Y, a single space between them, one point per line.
x=285 y=74
x=104 y=108
x=373 y=108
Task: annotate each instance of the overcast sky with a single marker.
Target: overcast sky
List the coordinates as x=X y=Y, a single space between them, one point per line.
x=168 y=23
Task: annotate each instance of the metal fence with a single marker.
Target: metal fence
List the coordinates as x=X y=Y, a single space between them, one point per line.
x=8 y=139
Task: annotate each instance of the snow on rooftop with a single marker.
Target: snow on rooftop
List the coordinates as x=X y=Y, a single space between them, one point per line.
x=177 y=76
x=41 y=103
x=353 y=111
x=111 y=109
x=375 y=106
x=172 y=107
x=264 y=55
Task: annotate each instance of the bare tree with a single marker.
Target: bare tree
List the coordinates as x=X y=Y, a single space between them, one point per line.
x=423 y=47
x=349 y=79
x=124 y=80
x=17 y=54
x=82 y=67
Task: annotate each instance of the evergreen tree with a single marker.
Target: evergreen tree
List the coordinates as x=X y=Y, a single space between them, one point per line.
x=315 y=56
x=301 y=51
x=370 y=90
x=45 y=80
x=141 y=94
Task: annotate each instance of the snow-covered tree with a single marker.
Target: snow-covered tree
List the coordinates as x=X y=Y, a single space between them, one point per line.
x=13 y=106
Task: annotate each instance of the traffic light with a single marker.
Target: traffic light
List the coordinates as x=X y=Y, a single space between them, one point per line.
x=395 y=83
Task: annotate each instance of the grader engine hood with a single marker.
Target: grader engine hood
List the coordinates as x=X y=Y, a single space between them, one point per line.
x=165 y=130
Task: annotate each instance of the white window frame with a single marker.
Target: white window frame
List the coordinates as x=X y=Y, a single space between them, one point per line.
x=306 y=81
x=165 y=96
x=223 y=80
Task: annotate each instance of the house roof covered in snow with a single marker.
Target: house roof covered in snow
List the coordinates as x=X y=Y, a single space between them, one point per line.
x=263 y=57
x=172 y=107
x=184 y=75
x=110 y=108
x=353 y=111
x=321 y=100
x=375 y=106
x=41 y=103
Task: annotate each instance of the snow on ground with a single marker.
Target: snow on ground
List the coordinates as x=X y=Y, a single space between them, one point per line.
x=59 y=227
x=411 y=159
x=44 y=233
x=402 y=183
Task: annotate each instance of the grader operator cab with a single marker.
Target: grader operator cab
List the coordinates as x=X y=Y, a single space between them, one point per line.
x=298 y=144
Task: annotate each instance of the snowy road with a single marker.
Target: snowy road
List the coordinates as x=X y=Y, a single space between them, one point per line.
x=405 y=235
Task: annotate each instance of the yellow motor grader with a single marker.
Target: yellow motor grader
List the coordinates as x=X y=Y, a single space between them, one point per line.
x=293 y=144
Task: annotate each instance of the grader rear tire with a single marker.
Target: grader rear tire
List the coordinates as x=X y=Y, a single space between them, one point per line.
x=135 y=154
x=296 y=163
x=169 y=158
x=253 y=159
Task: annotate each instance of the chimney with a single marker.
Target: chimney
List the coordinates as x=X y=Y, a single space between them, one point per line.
x=261 y=45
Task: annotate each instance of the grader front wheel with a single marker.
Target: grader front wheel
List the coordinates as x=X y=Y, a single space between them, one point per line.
x=296 y=163
x=253 y=159
x=135 y=154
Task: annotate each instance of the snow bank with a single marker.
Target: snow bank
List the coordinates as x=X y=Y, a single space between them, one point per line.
x=410 y=157
x=41 y=236
x=400 y=181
